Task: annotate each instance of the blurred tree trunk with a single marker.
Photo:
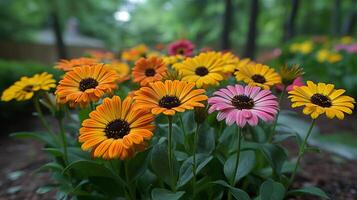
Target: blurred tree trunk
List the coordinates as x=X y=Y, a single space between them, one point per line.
x=252 y=32
x=56 y=26
x=336 y=17
x=289 y=26
x=350 y=20
x=227 y=25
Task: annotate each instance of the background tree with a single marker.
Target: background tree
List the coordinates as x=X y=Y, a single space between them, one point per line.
x=252 y=31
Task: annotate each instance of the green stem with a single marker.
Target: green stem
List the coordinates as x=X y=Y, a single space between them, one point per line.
x=301 y=153
x=232 y=181
x=169 y=146
x=42 y=118
x=195 y=139
x=184 y=131
x=64 y=140
x=272 y=134
x=92 y=106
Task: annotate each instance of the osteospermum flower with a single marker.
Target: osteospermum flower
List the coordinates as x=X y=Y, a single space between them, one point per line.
x=25 y=88
x=290 y=74
x=321 y=98
x=297 y=82
x=103 y=56
x=135 y=53
x=148 y=70
x=231 y=61
x=86 y=84
x=181 y=47
x=169 y=97
x=68 y=65
x=116 y=130
x=242 y=105
x=204 y=69
x=258 y=75
x=122 y=69
x=170 y=60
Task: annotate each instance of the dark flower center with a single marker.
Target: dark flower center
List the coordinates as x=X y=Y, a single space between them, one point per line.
x=143 y=55
x=321 y=100
x=242 y=102
x=28 y=88
x=180 y=51
x=117 y=129
x=87 y=83
x=258 y=78
x=150 y=72
x=201 y=71
x=169 y=102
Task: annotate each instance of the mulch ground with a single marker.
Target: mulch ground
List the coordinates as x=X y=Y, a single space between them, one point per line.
x=19 y=158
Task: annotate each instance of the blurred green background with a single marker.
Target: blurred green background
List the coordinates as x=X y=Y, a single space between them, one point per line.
x=34 y=34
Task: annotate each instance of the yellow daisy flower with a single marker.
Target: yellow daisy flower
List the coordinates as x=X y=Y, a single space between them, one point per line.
x=321 y=98
x=25 y=88
x=258 y=75
x=231 y=61
x=122 y=69
x=170 y=60
x=204 y=69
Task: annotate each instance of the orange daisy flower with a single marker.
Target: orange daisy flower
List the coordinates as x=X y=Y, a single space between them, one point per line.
x=86 y=84
x=148 y=70
x=169 y=97
x=68 y=65
x=116 y=130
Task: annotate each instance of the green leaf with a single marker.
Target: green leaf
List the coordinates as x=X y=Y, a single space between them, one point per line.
x=163 y=194
x=309 y=191
x=84 y=114
x=177 y=133
x=271 y=190
x=206 y=139
x=160 y=163
x=41 y=136
x=138 y=164
x=87 y=168
x=52 y=166
x=107 y=186
x=56 y=152
x=313 y=149
x=246 y=164
x=237 y=193
x=188 y=119
x=275 y=155
x=185 y=174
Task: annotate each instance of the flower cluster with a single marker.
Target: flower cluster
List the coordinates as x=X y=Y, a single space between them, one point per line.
x=211 y=103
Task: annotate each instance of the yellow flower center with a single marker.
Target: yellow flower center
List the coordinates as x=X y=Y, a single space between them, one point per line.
x=201 y=71
x=242 y=102
x=321 y=100
x=258 y=78
x=117 y=129
x=150 y=72
x=87 y=83
x=169 y=102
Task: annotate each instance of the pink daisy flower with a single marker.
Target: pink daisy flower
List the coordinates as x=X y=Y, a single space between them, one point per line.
x=181 y=47
x=297 y=82
x=242 y=105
